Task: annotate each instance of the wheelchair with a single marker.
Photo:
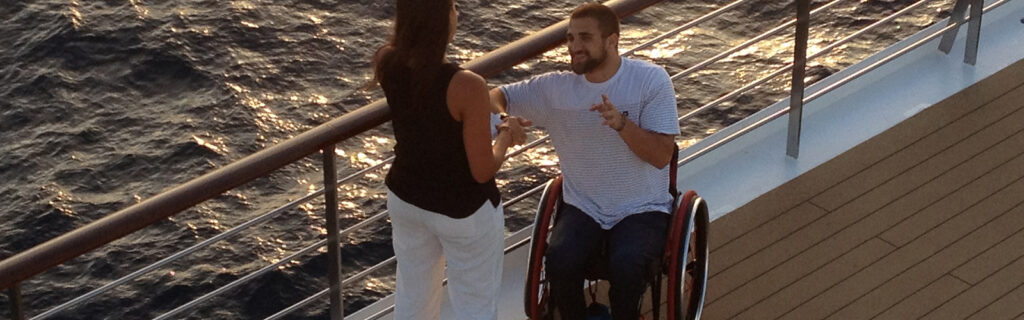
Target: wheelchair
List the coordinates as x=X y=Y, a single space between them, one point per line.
x=684 y=264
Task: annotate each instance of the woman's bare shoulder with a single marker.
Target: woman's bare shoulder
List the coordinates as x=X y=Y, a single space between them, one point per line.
x=466 y=86
x=465 y=79
x=466 y=90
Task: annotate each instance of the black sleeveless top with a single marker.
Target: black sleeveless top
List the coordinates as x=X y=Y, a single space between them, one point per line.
x=431 y=170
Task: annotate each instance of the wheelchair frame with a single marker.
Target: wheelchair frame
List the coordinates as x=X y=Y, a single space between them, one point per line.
x=684 y=262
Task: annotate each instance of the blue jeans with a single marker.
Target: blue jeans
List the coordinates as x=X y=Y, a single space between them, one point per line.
x=632 y=245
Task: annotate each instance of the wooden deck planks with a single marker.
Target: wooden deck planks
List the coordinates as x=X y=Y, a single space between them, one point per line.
x=923 y=220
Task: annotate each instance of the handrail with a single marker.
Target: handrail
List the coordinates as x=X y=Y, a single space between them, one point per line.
x=374 y=218
x=338 y=129
x=517 y=151
x=518 y=198
x=293 y=204
x=755 y=125
x=114 y=226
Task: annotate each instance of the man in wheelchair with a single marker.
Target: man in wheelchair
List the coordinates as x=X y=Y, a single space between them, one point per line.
x=612 y=122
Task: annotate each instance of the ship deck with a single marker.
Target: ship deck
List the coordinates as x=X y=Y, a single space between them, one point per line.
x=925 y=220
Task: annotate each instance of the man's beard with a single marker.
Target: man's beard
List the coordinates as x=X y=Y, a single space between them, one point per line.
x=589 y=65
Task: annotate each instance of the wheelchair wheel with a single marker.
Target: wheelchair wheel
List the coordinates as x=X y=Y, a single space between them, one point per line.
x=537 y=286
x=687 y=253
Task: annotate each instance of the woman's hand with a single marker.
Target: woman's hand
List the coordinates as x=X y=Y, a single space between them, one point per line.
x=515 y=127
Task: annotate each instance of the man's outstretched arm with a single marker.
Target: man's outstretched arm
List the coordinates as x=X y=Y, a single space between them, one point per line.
x=498 y=102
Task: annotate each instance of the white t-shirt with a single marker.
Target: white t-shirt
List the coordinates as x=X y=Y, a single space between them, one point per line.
x=601 y=175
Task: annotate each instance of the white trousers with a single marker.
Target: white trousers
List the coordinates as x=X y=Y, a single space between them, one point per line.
x=473 y=248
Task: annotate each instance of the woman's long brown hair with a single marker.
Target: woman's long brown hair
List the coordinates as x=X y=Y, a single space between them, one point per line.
x=419 y=41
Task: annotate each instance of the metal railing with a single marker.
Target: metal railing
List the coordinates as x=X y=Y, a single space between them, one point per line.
x=322 y=139
x=757 y=123
x=114 y=226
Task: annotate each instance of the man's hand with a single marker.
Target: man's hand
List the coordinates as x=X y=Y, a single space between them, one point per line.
x=612 y=117
x=654 y=148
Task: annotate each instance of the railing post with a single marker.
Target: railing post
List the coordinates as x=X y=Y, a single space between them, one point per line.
x=973 y=29
x=796 y=100
x=333 y=244
x=14 y=294
x=974 y=32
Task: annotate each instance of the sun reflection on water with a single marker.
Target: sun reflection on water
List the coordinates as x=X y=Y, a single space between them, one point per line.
x=216 y=144
x=271 y=249
x=318 y=99
x=378 y=285
x=667 y=48
x=560 y=55
x=75 y=14
x=242 y=5
x=61 y=199
x=140 y=9
x=463 y=54
x=542 y=156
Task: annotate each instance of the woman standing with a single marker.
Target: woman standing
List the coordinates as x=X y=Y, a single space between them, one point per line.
x=442 y=198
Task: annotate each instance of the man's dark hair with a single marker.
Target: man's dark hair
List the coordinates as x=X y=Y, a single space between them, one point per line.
x=607 y=21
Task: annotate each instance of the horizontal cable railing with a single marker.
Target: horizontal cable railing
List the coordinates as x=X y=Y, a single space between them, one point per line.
x=759 y=38
x=378 y=266
x=736 y=93
x=114 y=226
x=788 y=67
x=818 y=93
x=222 y=236
x=748 y=43
x=686 y=26
x=263 y=218
x=897 y=54
x=750 y=86
x=373 y=114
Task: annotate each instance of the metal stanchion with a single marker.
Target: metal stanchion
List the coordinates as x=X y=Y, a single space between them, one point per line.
x=14 y=294
x=333 y=245
x=796 y=100
x=973 y=32
x=973 y=29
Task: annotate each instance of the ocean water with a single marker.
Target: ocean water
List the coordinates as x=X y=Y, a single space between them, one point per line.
x=105 y=103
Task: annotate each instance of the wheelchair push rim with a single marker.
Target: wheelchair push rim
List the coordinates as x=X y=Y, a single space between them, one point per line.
x=536 y=288
x=688 y=263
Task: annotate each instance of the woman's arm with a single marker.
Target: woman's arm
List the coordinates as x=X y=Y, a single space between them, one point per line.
x=469 y=102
